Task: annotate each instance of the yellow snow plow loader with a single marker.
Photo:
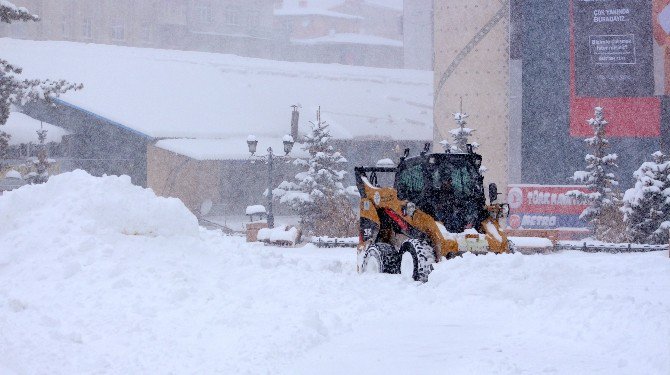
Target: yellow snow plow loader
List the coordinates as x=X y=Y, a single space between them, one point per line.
x=435 y=210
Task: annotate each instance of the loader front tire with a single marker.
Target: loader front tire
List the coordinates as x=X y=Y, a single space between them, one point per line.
x=379 y=258
x=417 y=258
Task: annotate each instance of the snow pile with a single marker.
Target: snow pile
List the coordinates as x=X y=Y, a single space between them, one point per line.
x=13 y=174
x=77 y=201
x=532 y=242
x=279 y=234
x=255 y=209
x=79 y=297
x=385 y=163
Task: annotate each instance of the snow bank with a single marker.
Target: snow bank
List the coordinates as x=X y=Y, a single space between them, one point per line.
x=79 y=297
x=537 y=242
x=77 y=201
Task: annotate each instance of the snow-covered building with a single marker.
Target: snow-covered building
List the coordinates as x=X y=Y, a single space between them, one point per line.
x=178 y=121
x=231 y=26
x=526 y=73
x=351 y=32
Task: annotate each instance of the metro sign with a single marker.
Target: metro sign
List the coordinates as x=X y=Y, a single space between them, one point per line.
x=544 y=207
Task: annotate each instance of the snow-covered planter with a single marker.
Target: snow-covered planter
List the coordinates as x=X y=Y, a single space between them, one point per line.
x=256 y=211
x=282 y=235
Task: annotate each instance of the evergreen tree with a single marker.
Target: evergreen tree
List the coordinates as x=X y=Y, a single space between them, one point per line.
x=316 y=192
x=647 y=205
x=459 y=136
x=17 y=91
x=602 y=212
x=42 y=161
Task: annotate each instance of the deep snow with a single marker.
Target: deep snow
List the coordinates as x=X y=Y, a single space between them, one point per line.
x=99 y=276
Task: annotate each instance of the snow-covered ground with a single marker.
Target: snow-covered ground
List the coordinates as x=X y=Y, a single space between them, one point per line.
x=99 y=276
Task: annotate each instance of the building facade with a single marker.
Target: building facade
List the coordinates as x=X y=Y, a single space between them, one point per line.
x=471 y=71
x=530 y=74
x=349 y=32
x=231 y=26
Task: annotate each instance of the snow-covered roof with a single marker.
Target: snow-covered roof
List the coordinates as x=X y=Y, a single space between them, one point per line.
x=234 y=148
x=351 y=38
x=23 y=129
x=180 y=94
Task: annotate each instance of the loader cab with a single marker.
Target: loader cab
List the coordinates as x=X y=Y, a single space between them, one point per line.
x=449 y=187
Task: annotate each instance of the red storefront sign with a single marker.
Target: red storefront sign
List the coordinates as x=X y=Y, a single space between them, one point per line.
x=544 y=207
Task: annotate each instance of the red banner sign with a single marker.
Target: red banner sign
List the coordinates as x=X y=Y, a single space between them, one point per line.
x=544 y=207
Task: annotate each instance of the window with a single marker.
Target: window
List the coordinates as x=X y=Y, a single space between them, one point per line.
x=203 y=13
x=232 y=16
x=460 y=180
x=118 y=31
x=65 y=28
x=254 y=20
x=87 y=29
x=410 y=183
x=146 y=34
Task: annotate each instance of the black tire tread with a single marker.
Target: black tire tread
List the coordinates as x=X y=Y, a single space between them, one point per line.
x=425 y=255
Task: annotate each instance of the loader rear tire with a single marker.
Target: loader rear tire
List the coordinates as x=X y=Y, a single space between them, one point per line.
x=379 y=258
x=417 y=258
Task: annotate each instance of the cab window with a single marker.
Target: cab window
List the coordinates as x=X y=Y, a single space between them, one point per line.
x=410 y=182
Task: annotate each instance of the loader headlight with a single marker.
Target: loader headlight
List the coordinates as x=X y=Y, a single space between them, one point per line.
x=409 y=209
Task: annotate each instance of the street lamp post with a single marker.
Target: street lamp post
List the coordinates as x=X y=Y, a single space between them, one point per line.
x=252 y=143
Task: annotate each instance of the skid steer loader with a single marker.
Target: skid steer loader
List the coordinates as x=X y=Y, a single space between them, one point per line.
x=435 y=210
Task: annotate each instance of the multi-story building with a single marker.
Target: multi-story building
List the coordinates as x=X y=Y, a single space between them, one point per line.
x=232 y=26
x=531 y=82
x=352 y=32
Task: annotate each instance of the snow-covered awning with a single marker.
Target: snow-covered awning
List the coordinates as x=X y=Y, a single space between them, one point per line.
x=226 y=149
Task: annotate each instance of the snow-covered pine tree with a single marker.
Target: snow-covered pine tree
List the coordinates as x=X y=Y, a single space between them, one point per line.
x=318 y=195
x=42 y=162
x=459 y=135
x=17 y=91
x=647 y=205
x=602 y=212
